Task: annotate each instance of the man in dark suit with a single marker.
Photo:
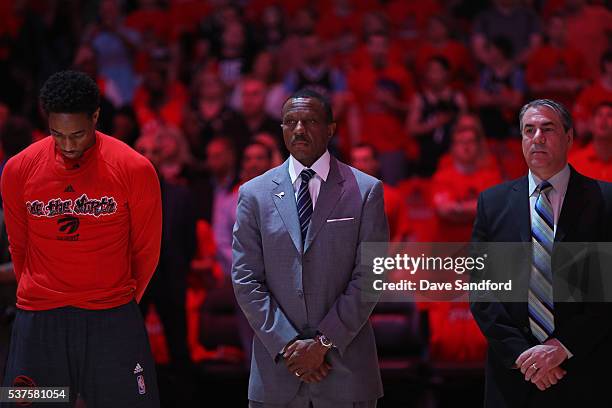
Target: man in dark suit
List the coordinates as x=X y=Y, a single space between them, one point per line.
x=547 y=351
x=297 y=274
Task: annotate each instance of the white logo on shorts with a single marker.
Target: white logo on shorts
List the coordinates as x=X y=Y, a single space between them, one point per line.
x=138 y=369
x=141 y=384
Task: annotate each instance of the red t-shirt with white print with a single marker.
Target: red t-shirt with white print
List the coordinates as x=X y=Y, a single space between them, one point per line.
x=83 y=233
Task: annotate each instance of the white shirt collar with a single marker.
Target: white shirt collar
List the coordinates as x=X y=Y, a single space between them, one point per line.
x=321 y=167
x=559 y=181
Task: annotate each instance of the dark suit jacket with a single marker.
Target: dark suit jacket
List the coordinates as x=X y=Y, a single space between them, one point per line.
x=583 y=327
x=178 y=241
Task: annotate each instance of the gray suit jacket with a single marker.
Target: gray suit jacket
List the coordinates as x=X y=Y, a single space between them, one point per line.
x=287 y=293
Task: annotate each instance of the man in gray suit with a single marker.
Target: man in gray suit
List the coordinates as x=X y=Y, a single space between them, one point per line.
x=296 y=270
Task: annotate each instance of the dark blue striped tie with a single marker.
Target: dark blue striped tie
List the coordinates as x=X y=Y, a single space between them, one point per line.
x=541 y=318
x=304 y=202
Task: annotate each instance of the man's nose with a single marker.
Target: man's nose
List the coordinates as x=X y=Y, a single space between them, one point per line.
x=299 y=127
x=538 y=137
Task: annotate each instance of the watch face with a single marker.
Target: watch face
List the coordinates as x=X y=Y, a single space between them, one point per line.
x=325 y=341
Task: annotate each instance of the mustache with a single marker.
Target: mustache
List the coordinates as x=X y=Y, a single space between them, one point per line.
x=300 y=138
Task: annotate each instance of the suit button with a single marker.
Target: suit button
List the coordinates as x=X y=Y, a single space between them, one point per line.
x=526 y=330
x=300 y=293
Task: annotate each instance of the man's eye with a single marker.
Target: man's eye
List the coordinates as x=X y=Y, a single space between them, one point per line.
x=312 y=121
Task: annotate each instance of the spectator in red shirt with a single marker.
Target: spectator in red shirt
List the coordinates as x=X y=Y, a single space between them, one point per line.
x=455 y=188
x=438 y=42
x=409 y=18
x=374 y=23
x=556 y=69
x=595 y=159
x=589 y=27
x=591 y=96
x=381 y=91
x=160 y=98
x=186 y=15
x=339 y=23
x=150 y=19
x=364 y=157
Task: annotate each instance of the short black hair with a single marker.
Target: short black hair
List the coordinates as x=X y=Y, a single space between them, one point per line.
x=311 y=93
x=70 y=92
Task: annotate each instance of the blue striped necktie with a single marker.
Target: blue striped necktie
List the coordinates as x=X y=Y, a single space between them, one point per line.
x=541 y=318
x=304 y=202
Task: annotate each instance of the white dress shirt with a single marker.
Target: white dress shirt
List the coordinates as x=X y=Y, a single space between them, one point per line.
x=556 y=196
x=321 y=168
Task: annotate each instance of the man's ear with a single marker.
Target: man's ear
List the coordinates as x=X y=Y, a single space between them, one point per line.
x=332 y=129
x=570 y=138
x=95 y=117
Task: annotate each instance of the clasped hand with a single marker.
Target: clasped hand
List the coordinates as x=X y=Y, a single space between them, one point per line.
x=306 y=359
x=541 y=364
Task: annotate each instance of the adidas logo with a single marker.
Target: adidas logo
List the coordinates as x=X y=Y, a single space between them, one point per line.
x=69 y=189
x=138 y=369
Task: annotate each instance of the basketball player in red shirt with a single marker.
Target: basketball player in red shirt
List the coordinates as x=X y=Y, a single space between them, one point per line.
x=83 y=215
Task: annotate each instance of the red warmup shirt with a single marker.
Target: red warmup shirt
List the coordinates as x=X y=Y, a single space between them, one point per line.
x=587 y=162
x=86 y=232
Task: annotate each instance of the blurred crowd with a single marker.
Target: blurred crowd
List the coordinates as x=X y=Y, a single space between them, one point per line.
x=425 y=93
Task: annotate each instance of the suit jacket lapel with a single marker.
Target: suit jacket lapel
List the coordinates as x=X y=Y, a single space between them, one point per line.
x=573 y=205
x=283 y=196
x=520 y=208
x=329 y=194
x=522 y=216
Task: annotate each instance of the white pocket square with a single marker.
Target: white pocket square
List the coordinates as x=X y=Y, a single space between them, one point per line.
x=340 y=219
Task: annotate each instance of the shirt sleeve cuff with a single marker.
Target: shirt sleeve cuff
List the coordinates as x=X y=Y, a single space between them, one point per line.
x=569 y=353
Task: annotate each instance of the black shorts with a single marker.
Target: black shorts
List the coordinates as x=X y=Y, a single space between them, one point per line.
x=103 y=355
